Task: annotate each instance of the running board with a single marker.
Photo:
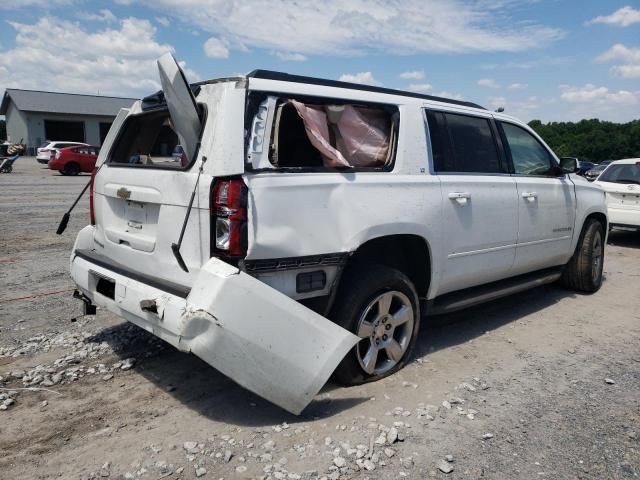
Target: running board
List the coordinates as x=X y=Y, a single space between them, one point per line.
x=454 y=301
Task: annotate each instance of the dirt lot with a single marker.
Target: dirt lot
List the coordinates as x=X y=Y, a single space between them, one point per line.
x=543 y=385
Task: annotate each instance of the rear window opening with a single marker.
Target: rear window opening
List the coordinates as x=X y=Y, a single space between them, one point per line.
x=320 y=135
x=150 y=140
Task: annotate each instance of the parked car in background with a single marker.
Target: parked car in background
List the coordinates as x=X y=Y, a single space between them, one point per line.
x=309 y=250
x=621 y=181
x=73 y=160
x=592 y=174
x=583 y=165
x=48 y=148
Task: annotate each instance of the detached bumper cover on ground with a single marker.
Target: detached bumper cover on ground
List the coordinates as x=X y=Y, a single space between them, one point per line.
x=262 y=339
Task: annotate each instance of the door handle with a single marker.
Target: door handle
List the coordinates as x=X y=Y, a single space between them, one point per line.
x=530 y=196
x=461 y=198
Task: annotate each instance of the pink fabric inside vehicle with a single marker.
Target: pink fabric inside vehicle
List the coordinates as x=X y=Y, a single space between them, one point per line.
x=347 y=136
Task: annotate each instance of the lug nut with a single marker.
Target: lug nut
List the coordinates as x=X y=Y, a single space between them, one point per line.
x=387 y=326
x=377 y=341
x=384 y=337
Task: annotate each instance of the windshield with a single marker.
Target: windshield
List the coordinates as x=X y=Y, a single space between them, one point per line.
x=149 y=140
x=622 y=173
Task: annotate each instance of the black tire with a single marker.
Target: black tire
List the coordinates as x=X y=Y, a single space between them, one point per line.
x=71 y=169
x=62 y=172
x=584 y=270
x=359 y=288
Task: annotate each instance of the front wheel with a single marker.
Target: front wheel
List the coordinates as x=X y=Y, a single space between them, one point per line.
x=380 y=305
x=584 y=270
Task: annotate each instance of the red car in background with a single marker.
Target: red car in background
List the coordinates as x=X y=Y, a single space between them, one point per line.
x=73 y=160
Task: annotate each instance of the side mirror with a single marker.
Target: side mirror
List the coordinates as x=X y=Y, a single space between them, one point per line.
x=569 y=165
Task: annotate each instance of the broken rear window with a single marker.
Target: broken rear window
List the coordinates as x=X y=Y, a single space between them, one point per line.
x=313 y=134
x=149 y=139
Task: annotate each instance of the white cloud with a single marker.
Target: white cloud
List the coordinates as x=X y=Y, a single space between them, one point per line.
x=420 y=87
x=290 y=57
x=16 y=4
x=488 y=82
x=357 y=27
x=445 y=94
x=591 y=101
x=589 y=93
x=622 y=17
x=413 y=75
x=215 y=48
x=530 y=64
x=497 y=102
x=629 y=56
x=164 y=21
x=112 y=61
x=362 y=77
x=104 y=15
x=518 y=86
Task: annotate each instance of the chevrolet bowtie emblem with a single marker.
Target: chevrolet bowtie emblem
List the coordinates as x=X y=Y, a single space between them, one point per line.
x=123 y=193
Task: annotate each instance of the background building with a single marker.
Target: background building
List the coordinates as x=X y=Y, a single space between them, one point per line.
x=36 y=116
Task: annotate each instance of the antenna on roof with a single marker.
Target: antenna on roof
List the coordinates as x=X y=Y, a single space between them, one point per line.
x=500 y=109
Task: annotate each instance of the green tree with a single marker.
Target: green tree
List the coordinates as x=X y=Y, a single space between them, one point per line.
x=592 y=139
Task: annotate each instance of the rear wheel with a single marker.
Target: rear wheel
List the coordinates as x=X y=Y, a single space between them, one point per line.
x=584 y=270
x=380 y=305
x=71 y=169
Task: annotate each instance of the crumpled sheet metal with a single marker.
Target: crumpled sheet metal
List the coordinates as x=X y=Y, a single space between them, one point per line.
x=262 y=339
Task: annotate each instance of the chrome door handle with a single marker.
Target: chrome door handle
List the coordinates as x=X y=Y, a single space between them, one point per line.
x=530 y=196
x=461 y=198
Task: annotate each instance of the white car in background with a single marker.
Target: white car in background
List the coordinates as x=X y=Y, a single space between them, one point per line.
x=47 y=148
x=621 y=182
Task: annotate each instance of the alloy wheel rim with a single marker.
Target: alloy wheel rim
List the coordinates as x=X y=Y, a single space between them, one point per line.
x=596 y=257
x=386 y=327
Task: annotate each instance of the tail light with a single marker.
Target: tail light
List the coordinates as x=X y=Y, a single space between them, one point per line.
x=229 y=217
x=92 y=212
x=58 y=154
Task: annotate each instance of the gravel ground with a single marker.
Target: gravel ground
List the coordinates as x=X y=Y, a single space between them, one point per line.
x=542 y=385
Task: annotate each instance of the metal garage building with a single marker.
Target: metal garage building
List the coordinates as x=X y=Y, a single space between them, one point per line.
x=36 y=116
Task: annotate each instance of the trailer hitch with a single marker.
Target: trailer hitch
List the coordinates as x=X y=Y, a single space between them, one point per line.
x=88 y=308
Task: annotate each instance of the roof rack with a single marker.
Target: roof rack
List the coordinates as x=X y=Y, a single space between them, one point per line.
x=286 y=77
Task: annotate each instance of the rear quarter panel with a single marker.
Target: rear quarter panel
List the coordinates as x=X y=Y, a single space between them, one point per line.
x=299 y=214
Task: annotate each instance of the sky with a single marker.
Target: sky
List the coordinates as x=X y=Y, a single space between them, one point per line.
x=551 y=60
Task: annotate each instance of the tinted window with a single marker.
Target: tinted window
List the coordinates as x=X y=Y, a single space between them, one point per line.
x=442 y=158
x=462 y=143
x=527 y=153
x=621 y=173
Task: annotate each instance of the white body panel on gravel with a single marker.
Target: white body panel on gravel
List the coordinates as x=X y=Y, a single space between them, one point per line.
x=294 y=190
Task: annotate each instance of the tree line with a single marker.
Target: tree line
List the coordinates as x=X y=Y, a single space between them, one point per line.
x=592 y=140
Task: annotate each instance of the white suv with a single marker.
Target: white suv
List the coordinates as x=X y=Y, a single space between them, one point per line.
x=314 y=222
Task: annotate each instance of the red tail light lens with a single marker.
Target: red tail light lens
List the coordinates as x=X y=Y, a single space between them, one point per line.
x=229 y=217
x=92 y=213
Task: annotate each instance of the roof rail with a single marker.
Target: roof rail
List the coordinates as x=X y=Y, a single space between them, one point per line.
x=286 y=77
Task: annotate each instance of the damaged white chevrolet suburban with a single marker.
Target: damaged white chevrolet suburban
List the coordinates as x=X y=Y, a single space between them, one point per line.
x=307 y=225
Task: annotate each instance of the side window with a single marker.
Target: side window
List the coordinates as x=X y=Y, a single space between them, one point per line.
x=332 y=134
x=528 y=155
x=442 y=158
x=472 y=143
x=462 y=144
